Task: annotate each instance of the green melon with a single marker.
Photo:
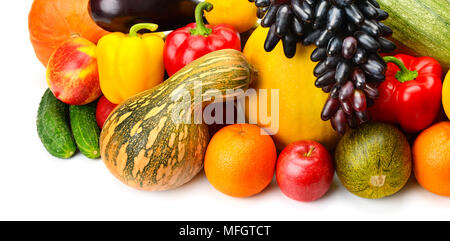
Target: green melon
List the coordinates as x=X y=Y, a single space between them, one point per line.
x=373 y=161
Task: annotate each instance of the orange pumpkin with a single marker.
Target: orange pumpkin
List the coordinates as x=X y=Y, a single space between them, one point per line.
x=51 y=22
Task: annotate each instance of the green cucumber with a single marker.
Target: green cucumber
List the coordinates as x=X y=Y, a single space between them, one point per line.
x=85 y=129
x=53 y=126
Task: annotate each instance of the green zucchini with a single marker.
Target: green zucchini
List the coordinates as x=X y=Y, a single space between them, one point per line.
x=422 y=26
x=53 y=126
x=85 y=129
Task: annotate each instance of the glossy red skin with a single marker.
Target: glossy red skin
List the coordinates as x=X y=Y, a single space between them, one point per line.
x=413 y=104
x=104 y=109
x=182 y=48
x=304 y=178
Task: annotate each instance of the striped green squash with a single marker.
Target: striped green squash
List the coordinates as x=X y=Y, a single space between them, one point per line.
x=145 y=147
x=422 y=26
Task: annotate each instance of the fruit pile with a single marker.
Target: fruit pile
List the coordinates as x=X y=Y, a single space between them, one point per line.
x=348 y=37
x=124 y=92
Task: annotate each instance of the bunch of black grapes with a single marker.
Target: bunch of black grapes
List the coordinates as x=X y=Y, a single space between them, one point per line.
x=349 y=38
x=289 y=20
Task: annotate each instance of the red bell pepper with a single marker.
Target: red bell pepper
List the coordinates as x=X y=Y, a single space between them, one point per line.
x=411 y=94
x=189 y=43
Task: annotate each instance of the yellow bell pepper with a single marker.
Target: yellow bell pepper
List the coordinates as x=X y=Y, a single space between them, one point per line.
x=130 y=64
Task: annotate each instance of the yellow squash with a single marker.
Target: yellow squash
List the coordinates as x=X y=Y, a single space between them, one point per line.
x=130 y=64
x=300 y=102
x=446 y=95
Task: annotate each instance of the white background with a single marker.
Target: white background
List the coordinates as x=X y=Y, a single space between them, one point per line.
x=36 y=186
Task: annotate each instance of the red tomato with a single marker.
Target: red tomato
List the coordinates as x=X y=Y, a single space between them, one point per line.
x=104 y=108
x=304 y=171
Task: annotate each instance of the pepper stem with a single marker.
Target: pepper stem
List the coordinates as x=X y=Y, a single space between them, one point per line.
x=201 y=29
x=404 y=74
x=138 y=27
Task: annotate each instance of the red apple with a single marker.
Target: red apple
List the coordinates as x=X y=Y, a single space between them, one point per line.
x=104 y=109
x=72 y=73
x=304 y=171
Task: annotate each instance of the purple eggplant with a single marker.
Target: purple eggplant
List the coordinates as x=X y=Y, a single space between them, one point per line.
x=121 y=15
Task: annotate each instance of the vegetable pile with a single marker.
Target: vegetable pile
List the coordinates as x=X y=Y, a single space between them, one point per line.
x=348 y=36
x=132 y=95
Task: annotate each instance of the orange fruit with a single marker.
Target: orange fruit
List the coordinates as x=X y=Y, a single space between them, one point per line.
x=431 y=154
x=240 y=160
x=241 y=14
